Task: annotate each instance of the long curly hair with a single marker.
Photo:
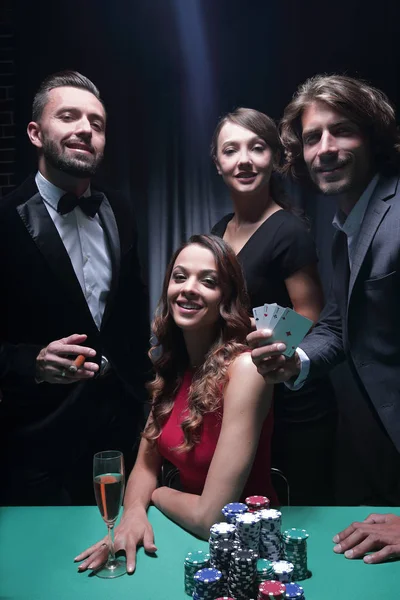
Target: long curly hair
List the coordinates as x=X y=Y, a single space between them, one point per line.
x=363 y=104
x=170 y=357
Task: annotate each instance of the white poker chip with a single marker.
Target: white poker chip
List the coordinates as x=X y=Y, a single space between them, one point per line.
x=248 y=518
x=283 y=566
x=269 y=514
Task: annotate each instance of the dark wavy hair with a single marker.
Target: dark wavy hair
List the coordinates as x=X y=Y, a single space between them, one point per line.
x=363 y=104
x=169 y=355
x=265 y=128
x=61 y=79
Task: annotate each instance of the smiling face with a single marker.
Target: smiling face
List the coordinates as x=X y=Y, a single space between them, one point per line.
x=335 y=150
x=70 y=134
x=244 y=160
x=194 y=294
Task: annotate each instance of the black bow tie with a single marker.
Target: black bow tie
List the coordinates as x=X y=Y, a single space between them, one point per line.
x=90 y=205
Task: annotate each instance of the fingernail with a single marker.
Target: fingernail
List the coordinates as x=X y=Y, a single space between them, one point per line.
x=349 y=554
x=335 y=539
x=337 y=548
x=281 y=347
x=267 y=332
x=90 y=566
x=129 y=569
x=92 y=352
x=368 y=558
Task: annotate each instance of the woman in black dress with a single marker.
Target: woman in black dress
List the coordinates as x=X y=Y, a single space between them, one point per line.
x=279 y=260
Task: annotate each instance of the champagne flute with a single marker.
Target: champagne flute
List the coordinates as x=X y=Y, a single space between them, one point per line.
x=109 y=485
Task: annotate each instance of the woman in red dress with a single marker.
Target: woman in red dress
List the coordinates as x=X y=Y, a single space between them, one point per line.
x=211 y=411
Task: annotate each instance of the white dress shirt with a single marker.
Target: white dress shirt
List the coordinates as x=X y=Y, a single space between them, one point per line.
x=86 y=243
x=351 y=227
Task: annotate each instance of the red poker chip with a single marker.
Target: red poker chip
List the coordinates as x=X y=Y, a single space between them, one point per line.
x=271 y=589
x=257 y=501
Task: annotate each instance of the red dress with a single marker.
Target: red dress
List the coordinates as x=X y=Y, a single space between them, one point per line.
x=193 y=465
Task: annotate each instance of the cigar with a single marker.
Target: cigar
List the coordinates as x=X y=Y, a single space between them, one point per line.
x=78 y=362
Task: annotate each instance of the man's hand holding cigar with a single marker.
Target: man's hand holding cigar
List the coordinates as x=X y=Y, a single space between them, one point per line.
x=54 y=365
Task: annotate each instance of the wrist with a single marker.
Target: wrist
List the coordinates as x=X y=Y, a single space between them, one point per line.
x=134 y=511
x=154 y=496
x=38 y=374
x=38 y=370
x=297 y=364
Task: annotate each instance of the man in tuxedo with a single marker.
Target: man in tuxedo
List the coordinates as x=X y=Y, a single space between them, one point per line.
x=342 y=134
x=71 y=286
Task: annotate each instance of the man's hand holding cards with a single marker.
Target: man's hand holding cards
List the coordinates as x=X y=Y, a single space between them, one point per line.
x=287 y=326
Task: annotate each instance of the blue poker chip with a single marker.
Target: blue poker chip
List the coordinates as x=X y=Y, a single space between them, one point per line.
x=209 y=575
x=294 y=591
x=235 y=507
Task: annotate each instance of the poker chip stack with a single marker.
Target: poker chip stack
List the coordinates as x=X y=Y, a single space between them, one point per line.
x=193 y=562
x=270 y=534
x=295 y=550
x=294 y=592
x=231 y=510
x=220 y=532
x=283 y=571
x=271 y=590
x=265 y=571
x=222 y=553
x=255 y=503
x=242 y=574
x=248 y=529
x=207 y=584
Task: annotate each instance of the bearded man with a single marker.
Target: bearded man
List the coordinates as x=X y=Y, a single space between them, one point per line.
x=71 y=288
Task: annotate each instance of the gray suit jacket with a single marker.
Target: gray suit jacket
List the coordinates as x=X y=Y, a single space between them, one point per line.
x=361 y=320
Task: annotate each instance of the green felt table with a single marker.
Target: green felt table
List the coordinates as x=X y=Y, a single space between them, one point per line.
x=37 y=547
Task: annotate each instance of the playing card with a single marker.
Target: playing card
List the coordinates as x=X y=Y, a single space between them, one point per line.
x=277 y=313
x=290 y=329
x=269 y=310
x=258 y=313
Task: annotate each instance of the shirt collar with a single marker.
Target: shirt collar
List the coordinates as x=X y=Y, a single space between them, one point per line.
x=50 y=192
x=351 y=223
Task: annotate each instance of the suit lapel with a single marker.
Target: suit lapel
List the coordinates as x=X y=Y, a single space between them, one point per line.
x=376 y=210
x=45 y=235
x=109 y=224
x=340 y=260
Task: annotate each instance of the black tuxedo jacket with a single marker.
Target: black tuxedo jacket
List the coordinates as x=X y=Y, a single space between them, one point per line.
x=41 y=301
x=361 y=321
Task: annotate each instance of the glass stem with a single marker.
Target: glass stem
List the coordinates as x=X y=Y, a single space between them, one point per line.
x=111 y=551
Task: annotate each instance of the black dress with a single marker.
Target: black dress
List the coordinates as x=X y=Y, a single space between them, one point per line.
x=305 y=421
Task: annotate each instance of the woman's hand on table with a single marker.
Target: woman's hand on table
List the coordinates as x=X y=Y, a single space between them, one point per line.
x=133 y=531
x=379 y=534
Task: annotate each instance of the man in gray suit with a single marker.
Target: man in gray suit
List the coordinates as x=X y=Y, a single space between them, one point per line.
x=342 y=133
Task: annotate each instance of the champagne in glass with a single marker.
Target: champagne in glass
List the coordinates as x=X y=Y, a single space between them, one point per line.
x=109 y=485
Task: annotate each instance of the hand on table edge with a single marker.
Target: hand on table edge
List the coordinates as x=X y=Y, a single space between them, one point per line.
x=127 y=539
x=378 y=533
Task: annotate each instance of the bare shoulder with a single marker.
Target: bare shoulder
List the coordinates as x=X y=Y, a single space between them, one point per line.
x=243 y=368
x=247 y=389
x=242 y=364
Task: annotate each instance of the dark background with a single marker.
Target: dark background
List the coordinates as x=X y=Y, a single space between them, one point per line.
x=167 y=69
